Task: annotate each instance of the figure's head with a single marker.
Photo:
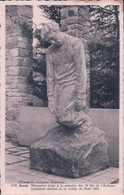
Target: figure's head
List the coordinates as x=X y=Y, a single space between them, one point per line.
x=51 y=33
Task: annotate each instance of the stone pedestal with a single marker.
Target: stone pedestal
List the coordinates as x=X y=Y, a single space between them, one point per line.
x=70 y=152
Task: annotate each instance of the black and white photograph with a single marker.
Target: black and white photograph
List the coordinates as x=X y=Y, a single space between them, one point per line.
x=63 y=98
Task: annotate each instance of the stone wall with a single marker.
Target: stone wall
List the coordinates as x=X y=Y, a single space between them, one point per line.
x=75 y=20
x=18 y=64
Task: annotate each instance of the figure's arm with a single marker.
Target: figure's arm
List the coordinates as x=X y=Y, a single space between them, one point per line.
x=80 y=63
x=50 y=82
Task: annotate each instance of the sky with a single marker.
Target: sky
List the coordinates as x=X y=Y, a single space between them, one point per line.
x=38 y=17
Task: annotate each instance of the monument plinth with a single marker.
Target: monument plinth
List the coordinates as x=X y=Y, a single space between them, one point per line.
x=70 y=153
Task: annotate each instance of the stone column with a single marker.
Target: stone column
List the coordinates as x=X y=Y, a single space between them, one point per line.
x=18 y=64
x=75 y=21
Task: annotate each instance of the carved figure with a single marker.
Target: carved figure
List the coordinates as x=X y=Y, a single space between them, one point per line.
x=75 y=148
x=66 y=77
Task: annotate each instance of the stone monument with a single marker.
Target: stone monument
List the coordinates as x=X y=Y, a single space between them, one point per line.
x=75 y=147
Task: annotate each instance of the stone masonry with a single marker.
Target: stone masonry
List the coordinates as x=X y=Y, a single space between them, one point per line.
x=75 y=20
x=18 y=64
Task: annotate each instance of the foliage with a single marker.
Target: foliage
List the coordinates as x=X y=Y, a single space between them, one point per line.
x=104 y=53
x=27 y=31
x=52 y=12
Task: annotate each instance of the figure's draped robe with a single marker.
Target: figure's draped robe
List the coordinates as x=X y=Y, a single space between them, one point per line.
x=66 y=80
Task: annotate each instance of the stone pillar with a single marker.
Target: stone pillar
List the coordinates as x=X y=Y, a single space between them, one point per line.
x=18 y=64
x=75 y=21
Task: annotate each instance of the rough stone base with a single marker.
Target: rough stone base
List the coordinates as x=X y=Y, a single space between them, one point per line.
x=70 y=153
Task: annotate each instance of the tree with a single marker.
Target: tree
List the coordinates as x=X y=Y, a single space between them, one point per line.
x=104 y=52
x=52 y=12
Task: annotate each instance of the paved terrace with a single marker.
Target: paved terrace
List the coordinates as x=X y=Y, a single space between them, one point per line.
x=17 y=169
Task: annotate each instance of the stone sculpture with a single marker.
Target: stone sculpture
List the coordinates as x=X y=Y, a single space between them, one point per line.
x=66 y=78
x=74 y=148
